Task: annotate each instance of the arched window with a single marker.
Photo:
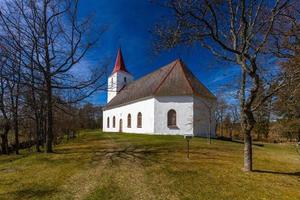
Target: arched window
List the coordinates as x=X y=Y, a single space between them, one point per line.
x=107 y=122
x=139 y=120
x=114 y=122
x=129 y=121
x=171 y=118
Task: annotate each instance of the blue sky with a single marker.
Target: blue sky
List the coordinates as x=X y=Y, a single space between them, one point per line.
x=129 y=24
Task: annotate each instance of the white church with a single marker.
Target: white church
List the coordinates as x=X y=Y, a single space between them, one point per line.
x=167 y=101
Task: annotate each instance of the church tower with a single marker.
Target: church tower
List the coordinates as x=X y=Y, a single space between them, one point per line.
x=119 y=77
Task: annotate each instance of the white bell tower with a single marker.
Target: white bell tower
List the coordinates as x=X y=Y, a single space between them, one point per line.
x=119 y=78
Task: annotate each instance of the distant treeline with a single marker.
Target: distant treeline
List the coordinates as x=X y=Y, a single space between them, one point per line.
x=68 y=122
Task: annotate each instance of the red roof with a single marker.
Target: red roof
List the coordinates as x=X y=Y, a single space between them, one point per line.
x=119 y=64
x=174 y=79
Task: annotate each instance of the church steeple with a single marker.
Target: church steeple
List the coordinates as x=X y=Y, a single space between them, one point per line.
x=119 y=78
x=119 y=64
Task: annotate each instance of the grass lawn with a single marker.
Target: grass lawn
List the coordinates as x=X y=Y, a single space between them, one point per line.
x=128 y=166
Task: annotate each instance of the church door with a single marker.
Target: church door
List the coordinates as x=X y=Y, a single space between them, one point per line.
x=121 y=126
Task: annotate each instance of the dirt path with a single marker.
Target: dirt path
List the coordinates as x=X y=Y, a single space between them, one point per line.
x=120 y=169
x=83 y=183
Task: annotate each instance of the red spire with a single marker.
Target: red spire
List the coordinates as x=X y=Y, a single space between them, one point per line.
x=119 y=64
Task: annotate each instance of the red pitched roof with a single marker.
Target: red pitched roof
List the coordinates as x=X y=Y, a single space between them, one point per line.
x=174 y=79
x=119 y=64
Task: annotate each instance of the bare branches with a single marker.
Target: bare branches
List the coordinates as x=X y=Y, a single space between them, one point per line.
x=52 y=42
x=243 y=32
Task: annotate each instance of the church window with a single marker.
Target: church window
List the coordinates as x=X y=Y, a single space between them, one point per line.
x=107 y=122
x=139 y=120
x=125 y=80
x=114 y=122
x=172 y=118
x=129 y=121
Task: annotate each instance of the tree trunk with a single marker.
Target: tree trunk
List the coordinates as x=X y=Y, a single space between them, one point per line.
x=16 y=130
x=38 y=134
x=49 y=139
x=258 y=135
x=216 y=128
x=4 y=144
x=247 y=151
x=247 y=117
x=230 y=131
x=247 y=125
x=221 y=127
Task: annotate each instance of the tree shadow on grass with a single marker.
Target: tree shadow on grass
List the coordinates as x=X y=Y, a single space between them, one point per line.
x=29 y=193
x=12 y=158
x=279 y=173
x=238 y=141
x=129 y=153
x=140 y=154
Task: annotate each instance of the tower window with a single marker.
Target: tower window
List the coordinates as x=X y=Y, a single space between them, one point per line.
x=125 y=80
x=172 y=119
x=139 y=120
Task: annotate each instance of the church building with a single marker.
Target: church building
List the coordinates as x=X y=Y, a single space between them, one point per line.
x=170 y=100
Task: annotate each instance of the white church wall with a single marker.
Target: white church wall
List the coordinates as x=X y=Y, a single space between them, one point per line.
x=192 y=116
x=203 y=112
x=183 y=105
x=115 y=83
x=146 y=107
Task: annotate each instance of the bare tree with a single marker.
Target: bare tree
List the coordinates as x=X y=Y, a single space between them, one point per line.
x=287 y=102
x=242 y=32
x=54 y=41
x=14 y=94
x=5 y=121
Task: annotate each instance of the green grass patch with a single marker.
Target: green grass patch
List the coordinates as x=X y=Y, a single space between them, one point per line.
x=131 y=166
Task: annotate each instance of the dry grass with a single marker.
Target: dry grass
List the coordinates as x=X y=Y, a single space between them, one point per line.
x=128 y=166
